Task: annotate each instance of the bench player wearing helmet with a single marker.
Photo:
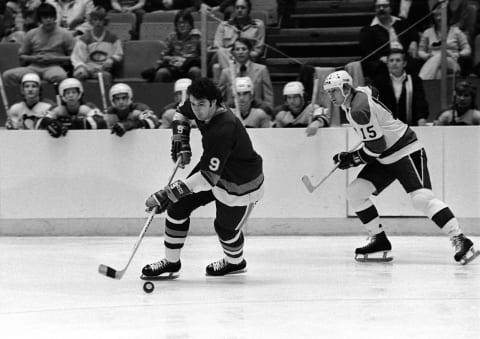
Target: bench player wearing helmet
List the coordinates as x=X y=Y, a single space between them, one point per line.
x=179 y=96
x=124 y=114
x=390 y=151
x=250 y=115
x=26 y=113
x=297 y=112
x=229 y=173
x=72 y=113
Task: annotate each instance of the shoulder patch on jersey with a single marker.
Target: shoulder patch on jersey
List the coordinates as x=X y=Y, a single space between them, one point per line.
x=360 y=108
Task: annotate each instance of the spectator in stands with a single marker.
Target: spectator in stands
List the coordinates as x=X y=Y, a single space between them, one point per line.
x=44 y=51
x=262 y=85
x=249 y=114
x=181 y=58
x=98 y=50
x=463 y=110
x=26 y=113
x=241 y=25
x=179 y=96
x=167 y=5
x=416 y=12
x=73 y=14
x=297 y=112
x=464 y=15
x=402 y=93
x=12 y=22
x=72 y=113
x=382 y=35
x=430 y=47
x=131 y=6
x=226 y=7
x=124 y=114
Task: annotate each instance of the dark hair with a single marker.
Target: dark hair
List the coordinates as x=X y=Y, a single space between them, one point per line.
x=245 y=41
x=204 y=88
x=398 y=51
x=99 y=13
x=46 y=10
x=249 y=5
x=466 y=87
x=185 y=15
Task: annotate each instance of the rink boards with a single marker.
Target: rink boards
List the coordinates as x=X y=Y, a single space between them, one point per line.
x=94 y=183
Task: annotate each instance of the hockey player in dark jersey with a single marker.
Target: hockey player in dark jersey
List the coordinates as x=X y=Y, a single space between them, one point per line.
x=72 y=112
x=229 y=173
x=125 y=115
x=390 y=151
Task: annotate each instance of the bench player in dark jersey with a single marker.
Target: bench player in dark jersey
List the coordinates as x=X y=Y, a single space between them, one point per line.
x=229 y=173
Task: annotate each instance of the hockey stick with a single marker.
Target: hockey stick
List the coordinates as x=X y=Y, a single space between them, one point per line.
x=118 y=274
x=312 y=187
x=101 y=84
x=4 y=95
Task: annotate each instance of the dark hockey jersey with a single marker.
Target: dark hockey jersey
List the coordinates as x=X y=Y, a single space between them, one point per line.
x=229 y=163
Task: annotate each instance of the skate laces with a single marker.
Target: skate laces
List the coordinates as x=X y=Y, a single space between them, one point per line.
x=457 y=242
x=218 y=265
x=159 y=265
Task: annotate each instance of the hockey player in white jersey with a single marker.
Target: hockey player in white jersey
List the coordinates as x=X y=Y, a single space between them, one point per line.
x=26 y=113
x=390 y=151
x=297 y=112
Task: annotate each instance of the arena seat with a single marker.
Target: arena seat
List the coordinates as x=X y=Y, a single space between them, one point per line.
x=9 y=56
x=159 y=16
x=121 y=29
x=155 y=30
x=476 y=52
x=138 y=56
x=128 y=17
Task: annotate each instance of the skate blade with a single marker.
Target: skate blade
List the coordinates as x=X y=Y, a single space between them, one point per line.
x=466 y=259
x=167 y=276
x=369 y=258
x=243 y=270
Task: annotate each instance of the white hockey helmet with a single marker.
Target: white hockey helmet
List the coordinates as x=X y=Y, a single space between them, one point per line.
x=70 y=83
x=182 y=84
x=31 y=77
x=121 y=88
x=337 y=80
x=294 y=87
x=244 y=84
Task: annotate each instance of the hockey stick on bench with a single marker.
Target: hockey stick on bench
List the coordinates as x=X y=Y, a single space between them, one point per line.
x=118 y=274
x=312 y=187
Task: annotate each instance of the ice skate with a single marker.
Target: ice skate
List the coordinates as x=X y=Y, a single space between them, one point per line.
x=161 y=270
x=464 y=251
x=376 y=250
x=223 y=267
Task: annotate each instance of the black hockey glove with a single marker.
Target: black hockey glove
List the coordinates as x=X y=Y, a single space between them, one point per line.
x=181 y=142
x=54 y=127
x=353 y=159
x=119 y=129
x=162 y=199
x=347 y=159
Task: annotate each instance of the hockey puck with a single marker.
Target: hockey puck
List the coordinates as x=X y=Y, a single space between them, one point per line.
x=148 y=287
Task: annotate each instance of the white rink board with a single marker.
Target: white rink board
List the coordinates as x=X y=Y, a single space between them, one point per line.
x=93 y=174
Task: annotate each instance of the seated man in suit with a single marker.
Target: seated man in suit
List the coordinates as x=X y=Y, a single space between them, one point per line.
x=244 y=67
x=402 y=93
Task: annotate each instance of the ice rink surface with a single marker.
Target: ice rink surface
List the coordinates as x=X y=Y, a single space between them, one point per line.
x=295 y=287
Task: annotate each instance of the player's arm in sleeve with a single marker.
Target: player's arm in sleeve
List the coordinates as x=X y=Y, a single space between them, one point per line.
x=89 y=117
x=320 y=118
x=51 y=123
x=369 y=130
x=145 y=117
x=13 y=117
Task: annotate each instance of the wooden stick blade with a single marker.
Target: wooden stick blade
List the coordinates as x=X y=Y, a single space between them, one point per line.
x=308 y=184
x=108 y=271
